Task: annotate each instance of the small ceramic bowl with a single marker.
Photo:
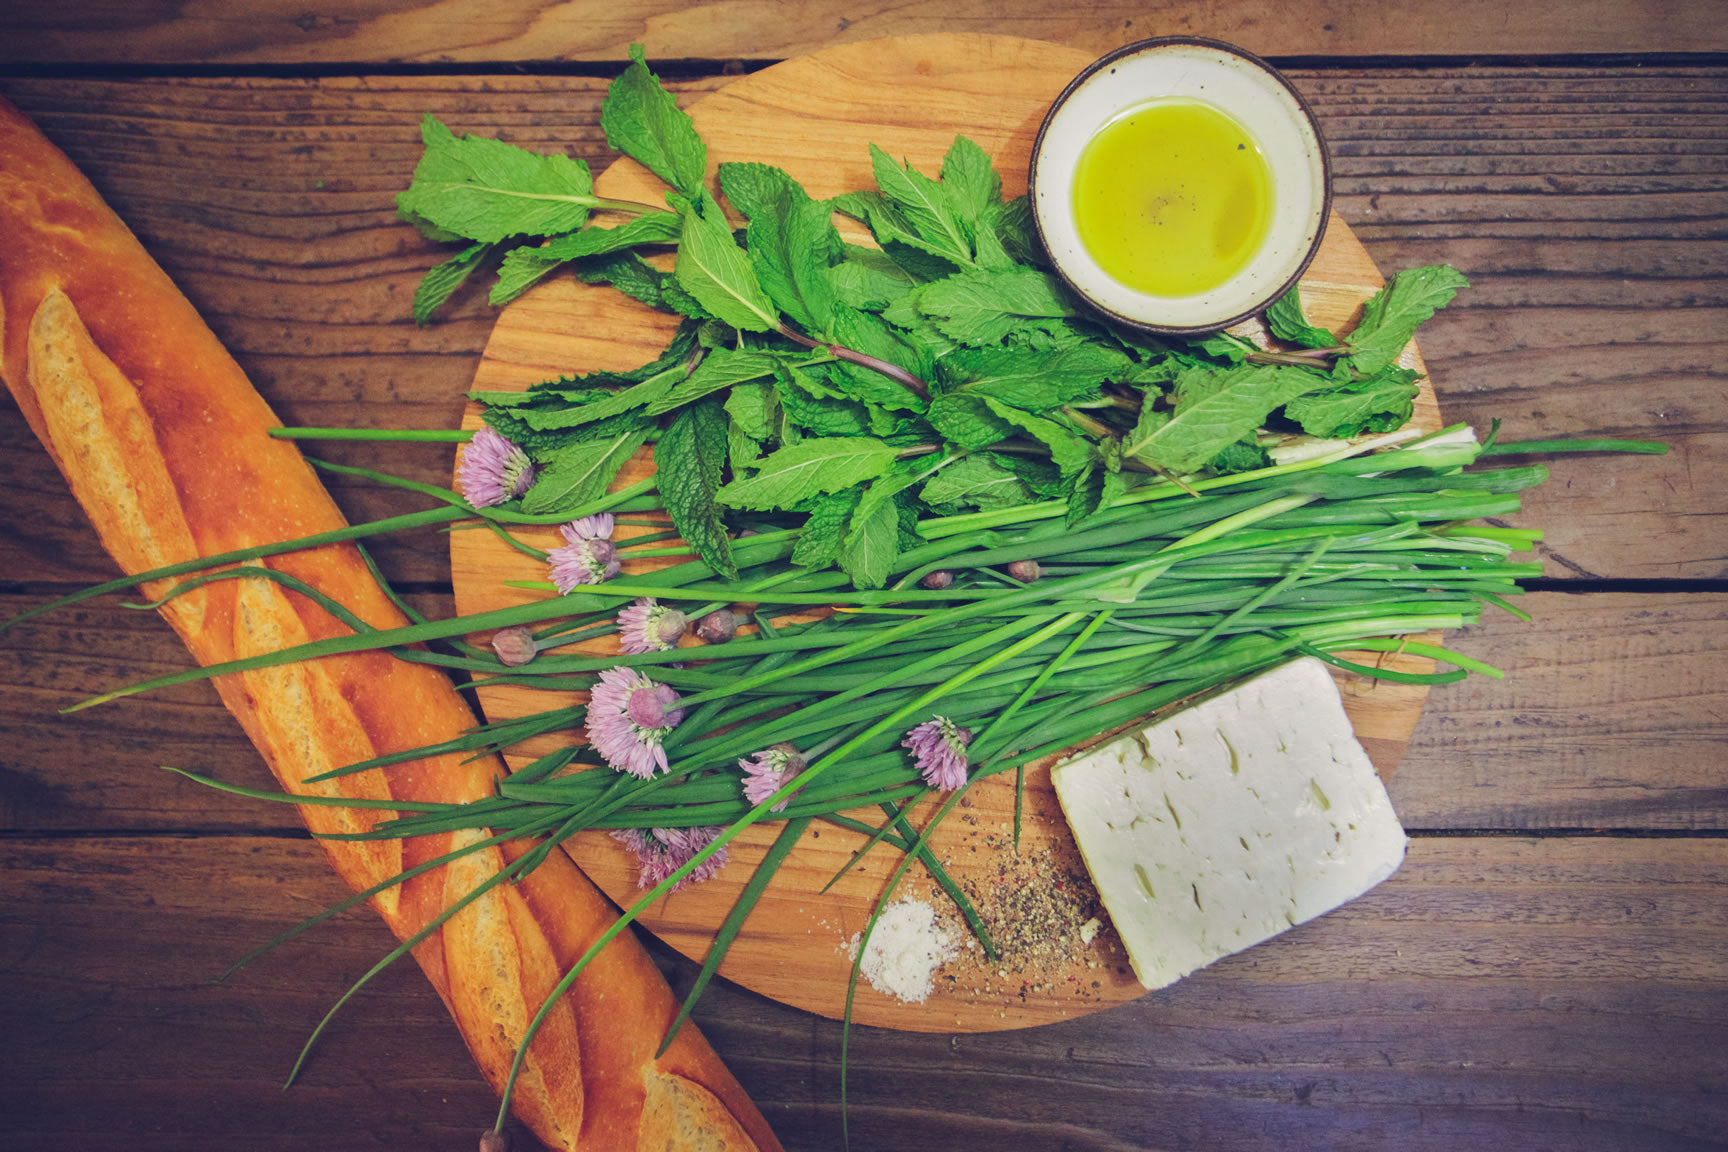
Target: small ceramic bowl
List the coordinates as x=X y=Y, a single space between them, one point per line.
x=1243 y=87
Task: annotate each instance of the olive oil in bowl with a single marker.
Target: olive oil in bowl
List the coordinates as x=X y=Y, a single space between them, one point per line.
x=1179 y=186
x=1173 y=197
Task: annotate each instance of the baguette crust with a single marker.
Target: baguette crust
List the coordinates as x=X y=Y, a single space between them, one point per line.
x=165 y=444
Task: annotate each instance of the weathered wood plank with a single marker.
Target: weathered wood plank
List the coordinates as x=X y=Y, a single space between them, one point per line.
x=419 y=31
x=1497 y=992
x=1587 y=206
x=1610 y=716
x=1603 y=694
x=99 y=770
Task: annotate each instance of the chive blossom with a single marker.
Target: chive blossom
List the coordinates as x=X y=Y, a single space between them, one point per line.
x=938 y=748
x=588 y=556
x=493 y=470
x=662 y=851
x=629 y=718
x=768 y=770
x=650 y=626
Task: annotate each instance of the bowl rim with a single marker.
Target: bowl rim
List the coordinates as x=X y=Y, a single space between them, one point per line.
x=1136 y=48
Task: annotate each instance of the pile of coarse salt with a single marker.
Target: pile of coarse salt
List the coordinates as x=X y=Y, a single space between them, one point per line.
x=906 y=947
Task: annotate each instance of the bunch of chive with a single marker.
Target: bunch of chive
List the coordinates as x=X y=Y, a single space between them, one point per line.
x=1038 y=637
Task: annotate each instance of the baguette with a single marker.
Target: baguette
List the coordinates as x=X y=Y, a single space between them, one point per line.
x=165 y=444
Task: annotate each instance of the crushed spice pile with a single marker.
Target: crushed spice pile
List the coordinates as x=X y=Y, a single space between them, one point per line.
x=1044 y=916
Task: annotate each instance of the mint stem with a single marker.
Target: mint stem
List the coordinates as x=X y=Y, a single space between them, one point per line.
x=602 y=204
x=863 y=360
x=1301 y=357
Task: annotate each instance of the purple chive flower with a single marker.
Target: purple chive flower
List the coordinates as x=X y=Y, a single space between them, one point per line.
x=514 y=646
x=588 y=557
x=938 y=580
x=766 y=771
x=493 y=470
x=649 y=626
x=629 y=716
x=938 y=749
x=662 y=851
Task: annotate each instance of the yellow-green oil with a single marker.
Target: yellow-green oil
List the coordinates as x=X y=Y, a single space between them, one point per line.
x=1173 y=197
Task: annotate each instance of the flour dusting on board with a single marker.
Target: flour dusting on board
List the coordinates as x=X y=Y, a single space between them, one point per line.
x=906 y=947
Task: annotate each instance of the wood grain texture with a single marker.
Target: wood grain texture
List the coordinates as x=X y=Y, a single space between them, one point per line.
x=1585 y=205
x=1496 y=992
x=451 y=31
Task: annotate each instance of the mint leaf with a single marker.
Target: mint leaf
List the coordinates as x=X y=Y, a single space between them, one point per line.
x=743 y=451
x=872 y=542
x=984 y=307
x=717 y=273
x=1085 y=494
x=819 y=543
x=757 y=189
x=487 y=190
x=721 y=368
x=809 y=468
x=1215 y=407
x=977 y=481
x=1094 y=489
x=752 y=408
x=867 y=279
x=970 y=182
x=1379 y=403
x=1035 y=381
x=635 y=396
x=1242 y=456
x=688 y=461
x=1287 y=321
x=967 y=421
x=526 y=266
x=899 y=241
x=1015 y=232
x=899 y=477
x=643 y=121
x=791 y=242
x=627 y=272
x=807 y=401
x=925 y=207
x=441 y=282
x=1040 y=476
x=1069 y=452
x=1392 y=314
x=580 y=473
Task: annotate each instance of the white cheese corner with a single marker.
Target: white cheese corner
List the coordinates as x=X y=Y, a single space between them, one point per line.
x=1230 y=821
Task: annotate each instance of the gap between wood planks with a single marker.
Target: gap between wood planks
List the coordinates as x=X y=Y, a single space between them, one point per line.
x=702 y=69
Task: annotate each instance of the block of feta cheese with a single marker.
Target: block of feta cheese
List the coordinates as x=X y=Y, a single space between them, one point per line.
x=1230 y=821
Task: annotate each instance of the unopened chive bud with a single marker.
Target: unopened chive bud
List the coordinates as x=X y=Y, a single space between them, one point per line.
x=1025 y=571
x=495 y=1141
x=514 y=646
x=936 y=581
x=717 y=627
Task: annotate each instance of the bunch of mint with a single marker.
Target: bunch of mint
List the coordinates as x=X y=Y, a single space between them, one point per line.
x=852 y=390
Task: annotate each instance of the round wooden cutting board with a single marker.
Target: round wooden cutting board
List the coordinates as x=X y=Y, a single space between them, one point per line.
x=816 y=116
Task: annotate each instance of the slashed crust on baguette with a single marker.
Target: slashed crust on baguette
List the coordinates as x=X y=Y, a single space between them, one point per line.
x=100 y=432
x=166 y=446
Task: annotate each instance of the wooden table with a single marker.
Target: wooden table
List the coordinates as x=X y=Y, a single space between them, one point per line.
x=1548 y=970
